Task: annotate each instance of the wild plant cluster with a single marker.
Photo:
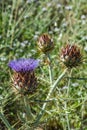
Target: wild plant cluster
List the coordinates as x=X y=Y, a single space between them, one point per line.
x=43 y=65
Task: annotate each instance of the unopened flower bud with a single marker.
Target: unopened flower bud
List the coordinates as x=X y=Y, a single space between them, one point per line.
x=45 y=43
x=71 y=56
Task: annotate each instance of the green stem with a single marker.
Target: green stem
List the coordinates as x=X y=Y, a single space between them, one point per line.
x=67 y=118
x=49 y=94
x=50 y=69
x=68 y=91
x=5 y=121
x=50 y=74
x=27 y=108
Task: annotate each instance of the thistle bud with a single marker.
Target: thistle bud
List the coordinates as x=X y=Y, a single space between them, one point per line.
x=71 y=56
x=24 y=78
x=45 y=43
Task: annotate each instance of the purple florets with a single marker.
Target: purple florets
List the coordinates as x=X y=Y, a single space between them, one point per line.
x=23 y=65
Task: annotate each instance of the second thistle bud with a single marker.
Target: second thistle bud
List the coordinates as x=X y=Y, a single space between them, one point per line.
x=45 y=43
x=71 y=56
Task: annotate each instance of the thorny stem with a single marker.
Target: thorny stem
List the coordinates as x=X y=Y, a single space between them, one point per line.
x=49 y=94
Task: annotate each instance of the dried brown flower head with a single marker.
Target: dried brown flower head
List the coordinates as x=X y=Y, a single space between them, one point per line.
x=45 y=43
x=71 y=56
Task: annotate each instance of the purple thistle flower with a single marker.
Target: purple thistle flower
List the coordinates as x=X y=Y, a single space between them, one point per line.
x=24 y=78
x=24 y=65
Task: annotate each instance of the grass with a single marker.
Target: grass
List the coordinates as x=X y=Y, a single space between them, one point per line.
x=21 y=23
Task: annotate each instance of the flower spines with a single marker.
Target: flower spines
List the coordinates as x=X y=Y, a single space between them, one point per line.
x=25 y=81
x=71 y=56
x=45 y=43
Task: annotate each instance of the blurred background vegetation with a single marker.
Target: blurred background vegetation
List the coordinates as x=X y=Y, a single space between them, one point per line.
x=21 y=23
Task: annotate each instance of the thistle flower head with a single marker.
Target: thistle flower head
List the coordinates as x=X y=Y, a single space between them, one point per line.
x=45 y=43
x=24 y=78
x=71 y=56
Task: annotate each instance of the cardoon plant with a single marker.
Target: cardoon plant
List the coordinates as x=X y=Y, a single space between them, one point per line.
x=24 y=77
x=71 y=57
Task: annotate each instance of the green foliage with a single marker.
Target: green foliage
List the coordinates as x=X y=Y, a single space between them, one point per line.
x=21 y=23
